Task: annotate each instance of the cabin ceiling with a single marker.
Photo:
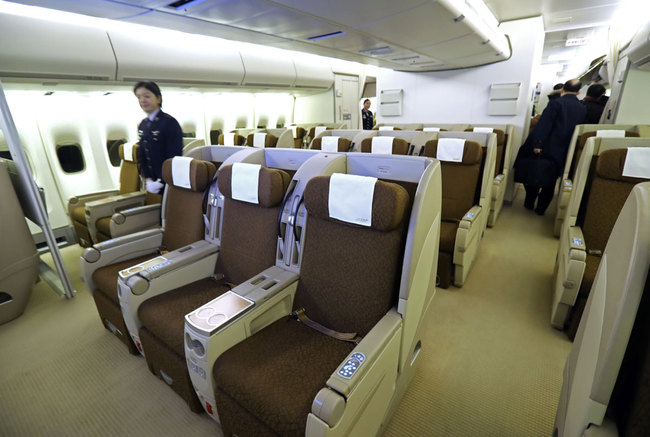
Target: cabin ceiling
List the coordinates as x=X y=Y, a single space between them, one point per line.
x=402 y=35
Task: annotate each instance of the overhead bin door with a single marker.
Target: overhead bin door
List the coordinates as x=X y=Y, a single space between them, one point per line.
x=188 y=59
x=273 y=69
x=31 y=47
x=313 y=74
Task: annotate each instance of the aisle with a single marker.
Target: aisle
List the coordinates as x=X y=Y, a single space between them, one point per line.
x=491 y=365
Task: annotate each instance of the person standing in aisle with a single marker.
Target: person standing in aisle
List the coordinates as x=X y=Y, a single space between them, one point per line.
x=550 y=141
x=366 y=116
x=161 y=137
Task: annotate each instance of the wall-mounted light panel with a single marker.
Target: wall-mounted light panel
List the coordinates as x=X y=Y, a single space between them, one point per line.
x=390 y=103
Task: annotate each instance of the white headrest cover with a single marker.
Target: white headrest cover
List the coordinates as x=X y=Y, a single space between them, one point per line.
x=382 y=145
x=350 y=198
x=318 y=130
x=127 y=148
x=637 y=162
x=259 y=140
x=245 y=182
x=181 y=171
x=329 y=143
x=450 y=149
x=386 y=127
x=229 y=139
x=486 y=130
x=611 y=133
x=294 y=130
x=430 y=129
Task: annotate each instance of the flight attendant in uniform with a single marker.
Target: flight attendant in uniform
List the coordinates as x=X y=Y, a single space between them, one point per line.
x=161 y=137
x=366 y=116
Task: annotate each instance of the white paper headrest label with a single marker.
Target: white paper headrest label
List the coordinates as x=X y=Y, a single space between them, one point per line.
x=430 y=129
x=450 y=149
x=318 y=130
x=229 y=139
x=611 y=133
x=127 y=148
x=245 y=181
x=181 y=171
x=294 y=131
x=382 y=145
x=329 y=144
x=350 y=198
x=259 y=139
x=637 y=163
x=386 y=127
x=485 y=130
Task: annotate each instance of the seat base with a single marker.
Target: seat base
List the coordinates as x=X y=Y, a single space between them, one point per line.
x=111 y=316
x=445 y=270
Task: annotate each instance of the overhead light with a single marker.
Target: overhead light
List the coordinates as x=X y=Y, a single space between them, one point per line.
x=325 y=36
x=184 y=4
x=405 y=58
x=377 y=51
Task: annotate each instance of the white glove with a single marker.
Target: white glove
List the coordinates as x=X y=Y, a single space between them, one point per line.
x=154 y=187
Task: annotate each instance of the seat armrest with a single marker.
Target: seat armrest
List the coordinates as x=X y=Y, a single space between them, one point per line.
x=470 y=217
x=108 y=206
x=82 y=199
x=135 y=219
x=370 y=348
x=576 y=241
x=118 y=249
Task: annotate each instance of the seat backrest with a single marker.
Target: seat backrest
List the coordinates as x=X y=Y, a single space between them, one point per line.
x=343 y=144
x=580 y=145
x=350 y=273
x=501 y=145
x=608 y=192
x=369 y=145
x=460 y=179
x=249 y=234
x=261 y=140
x=231 y=139
x=608 y=367
x=187 y=179
x=129 y=176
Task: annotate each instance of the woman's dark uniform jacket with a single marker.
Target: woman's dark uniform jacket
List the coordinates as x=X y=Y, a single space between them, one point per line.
x=553 y=132
x=366 y=117
x=160 y=139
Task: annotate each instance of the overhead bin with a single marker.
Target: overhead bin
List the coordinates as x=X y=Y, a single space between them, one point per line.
x=313 y=74
x=272 y=69
x=185 y=60
x=638 y=52
x=32 y=47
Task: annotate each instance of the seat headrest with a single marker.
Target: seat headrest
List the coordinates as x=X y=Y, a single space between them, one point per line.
x=611 y=165
x=342 y=144
x=298 y=132
x=199 y=173
x=260 y=139
x=400 y=145
x=231 y=139
x=389 y=203
x=582 y=139
x=271 y=185
x=472 y=152
x=501 y=135
x=129 y=152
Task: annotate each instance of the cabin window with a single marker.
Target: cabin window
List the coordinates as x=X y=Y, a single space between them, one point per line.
x=113 y=149
x=214 y=136
x=71 y=158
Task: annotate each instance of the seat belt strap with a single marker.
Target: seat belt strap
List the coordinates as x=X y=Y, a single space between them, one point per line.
x=351 y=337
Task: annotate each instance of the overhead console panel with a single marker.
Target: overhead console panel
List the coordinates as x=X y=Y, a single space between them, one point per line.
x=32 y=47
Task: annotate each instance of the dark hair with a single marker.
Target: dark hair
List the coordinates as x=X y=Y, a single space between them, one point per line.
x=151 y=86
x=572 y=86
x=558 y=86
x=367 y=100
x=596 y=90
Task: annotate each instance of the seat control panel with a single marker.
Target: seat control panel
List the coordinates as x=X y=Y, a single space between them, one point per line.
x=350 y=367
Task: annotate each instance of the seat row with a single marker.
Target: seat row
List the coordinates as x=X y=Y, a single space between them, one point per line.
x=304 y=321
x=606 y=172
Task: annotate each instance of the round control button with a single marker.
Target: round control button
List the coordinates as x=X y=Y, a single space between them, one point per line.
x=217 y=319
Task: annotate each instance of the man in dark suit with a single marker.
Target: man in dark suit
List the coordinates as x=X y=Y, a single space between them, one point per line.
x=550 y=139
x=161 y=137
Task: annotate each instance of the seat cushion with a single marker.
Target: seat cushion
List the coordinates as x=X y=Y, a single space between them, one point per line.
x=103 y=225
x=448 y=236
x=79 y=213
x=105 y=278
x=256 y=375
x=164 y=315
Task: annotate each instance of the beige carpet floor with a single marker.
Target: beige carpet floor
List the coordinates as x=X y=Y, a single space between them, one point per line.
x=491 y=364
